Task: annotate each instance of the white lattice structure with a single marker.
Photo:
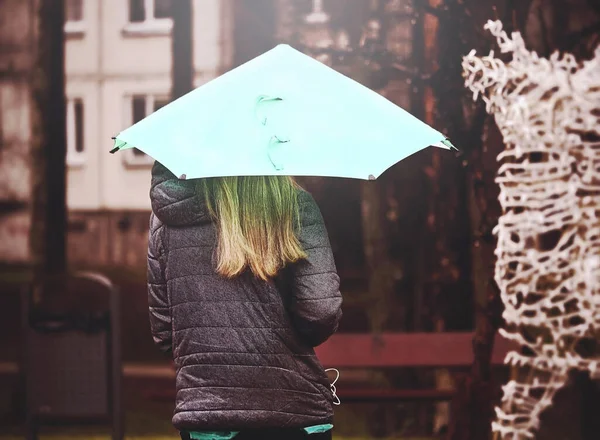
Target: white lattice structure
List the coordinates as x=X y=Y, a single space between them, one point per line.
x=548 y=253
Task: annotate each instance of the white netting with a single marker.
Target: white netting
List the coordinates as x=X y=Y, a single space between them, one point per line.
x=548 y=267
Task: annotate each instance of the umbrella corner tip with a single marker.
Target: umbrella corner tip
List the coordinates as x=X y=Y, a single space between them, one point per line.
x=449 y=144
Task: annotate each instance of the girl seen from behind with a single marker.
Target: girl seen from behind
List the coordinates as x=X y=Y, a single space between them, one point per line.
x=242 y=285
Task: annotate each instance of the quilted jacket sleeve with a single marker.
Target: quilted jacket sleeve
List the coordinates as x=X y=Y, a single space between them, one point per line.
x=315 y=303
x=158 y=300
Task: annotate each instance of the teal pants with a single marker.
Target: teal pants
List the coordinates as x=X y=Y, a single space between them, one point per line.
x=274 y=434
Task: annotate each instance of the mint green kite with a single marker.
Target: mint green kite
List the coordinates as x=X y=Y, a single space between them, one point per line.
x=282 y=113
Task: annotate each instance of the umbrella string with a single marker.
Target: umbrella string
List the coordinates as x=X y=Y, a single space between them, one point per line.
x=271 y=147
x=336 y=399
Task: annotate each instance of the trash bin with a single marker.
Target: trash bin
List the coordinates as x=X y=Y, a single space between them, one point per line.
x=71 y=360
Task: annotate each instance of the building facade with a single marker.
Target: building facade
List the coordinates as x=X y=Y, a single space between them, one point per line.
x=118 y=66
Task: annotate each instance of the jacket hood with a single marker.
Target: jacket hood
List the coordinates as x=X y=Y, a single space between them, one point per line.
x=176 y=202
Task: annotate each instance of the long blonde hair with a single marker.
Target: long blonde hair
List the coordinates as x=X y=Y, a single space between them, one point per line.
x=256 y=218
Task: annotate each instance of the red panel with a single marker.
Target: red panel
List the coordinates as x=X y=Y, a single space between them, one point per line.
x=404 y=350
x=347 y=395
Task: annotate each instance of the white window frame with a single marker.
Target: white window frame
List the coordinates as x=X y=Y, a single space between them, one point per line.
x=130 y=159
x=75 y=159
x=151 y=26
x=76 y=28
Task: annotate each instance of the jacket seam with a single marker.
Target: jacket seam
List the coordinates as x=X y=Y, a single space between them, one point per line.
x=316 y=299
x=224 y=300
x=211 y=274
x=248 y=388
x=240 y=352
x=179 y=411
x=198 y=327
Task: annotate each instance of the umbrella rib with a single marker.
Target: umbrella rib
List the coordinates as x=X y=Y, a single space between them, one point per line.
x=117 y=147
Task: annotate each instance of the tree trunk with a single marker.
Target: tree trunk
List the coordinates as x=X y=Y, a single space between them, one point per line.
x=380 y=270
x=375 y=243
x=182 y=49
x=471 y=409
x=256 y=27
x=48 y=146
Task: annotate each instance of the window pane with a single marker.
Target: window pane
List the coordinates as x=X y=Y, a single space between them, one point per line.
x=74 y=10
x=79 y=146
x=137 y=11
x=160 y=103
x=162 y=8
x=138 y=108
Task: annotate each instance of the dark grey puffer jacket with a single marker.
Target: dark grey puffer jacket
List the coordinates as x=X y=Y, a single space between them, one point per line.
x=243 y=348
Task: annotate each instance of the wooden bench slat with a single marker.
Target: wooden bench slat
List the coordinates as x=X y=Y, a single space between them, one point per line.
x=389 y=350
x=357 y=395
x=442 y=349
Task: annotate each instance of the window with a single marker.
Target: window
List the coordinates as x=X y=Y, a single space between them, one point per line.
x=142 y=106
x=142 y=10
x=74 y=24
x=74 y=10
x=149 y=17
x=75 y=132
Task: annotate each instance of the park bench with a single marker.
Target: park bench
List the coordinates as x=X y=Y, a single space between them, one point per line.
x=354 y=351
x=401 y=350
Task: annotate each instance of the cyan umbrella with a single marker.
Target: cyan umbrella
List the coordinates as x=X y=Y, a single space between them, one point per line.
x=281 y=113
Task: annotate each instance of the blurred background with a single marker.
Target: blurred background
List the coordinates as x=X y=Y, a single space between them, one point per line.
x=414 y=249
